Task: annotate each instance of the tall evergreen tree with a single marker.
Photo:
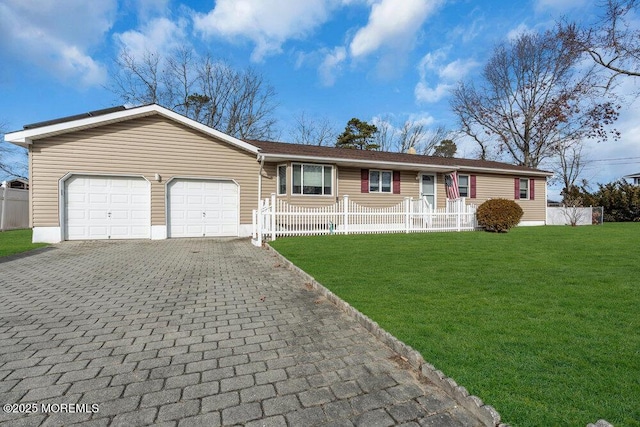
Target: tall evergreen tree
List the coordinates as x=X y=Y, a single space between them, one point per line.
x=358 y=134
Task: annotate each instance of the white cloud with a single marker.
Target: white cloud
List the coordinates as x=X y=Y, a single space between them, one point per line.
x=560 y=5
x=392 y=24
x=57 y=36
x=518 y=31
x=267 y=23
x=433 y=66
x=148 y=9
x=157 y=35
x=331 y=65
x=456 y=70
x=424 y=93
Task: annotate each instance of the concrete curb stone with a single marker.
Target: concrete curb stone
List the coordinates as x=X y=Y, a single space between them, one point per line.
x=486 y=413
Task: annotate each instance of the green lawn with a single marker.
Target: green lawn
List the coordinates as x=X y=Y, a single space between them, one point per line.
x=16 y=241
x=543 y=323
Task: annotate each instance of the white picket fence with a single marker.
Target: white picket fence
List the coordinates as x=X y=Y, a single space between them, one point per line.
x=14 y=208
x=276 y=218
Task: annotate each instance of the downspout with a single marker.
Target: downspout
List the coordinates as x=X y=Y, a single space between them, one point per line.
x=261 y=160
x=3 y=211
x=257 y=219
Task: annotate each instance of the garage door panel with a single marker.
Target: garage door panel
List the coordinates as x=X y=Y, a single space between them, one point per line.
x=94 y=214
x=97 y=198
x=202 y=208
x=107 y=208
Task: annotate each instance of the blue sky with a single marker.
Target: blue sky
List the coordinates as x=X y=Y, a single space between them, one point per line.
x=335 y=59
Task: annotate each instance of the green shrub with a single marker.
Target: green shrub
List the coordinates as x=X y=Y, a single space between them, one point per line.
x=499 y=215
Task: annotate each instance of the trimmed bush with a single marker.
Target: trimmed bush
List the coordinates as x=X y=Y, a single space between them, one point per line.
x=499 y=215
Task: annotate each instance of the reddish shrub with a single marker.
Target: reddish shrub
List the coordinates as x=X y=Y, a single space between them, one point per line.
x=499 y=215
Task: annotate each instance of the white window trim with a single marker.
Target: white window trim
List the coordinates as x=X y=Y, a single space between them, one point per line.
x=468 y=185
x=278 y=179
x=379 y=190
x=302 y=178
x=528 y=187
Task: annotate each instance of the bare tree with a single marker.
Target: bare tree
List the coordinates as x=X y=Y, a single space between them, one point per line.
x=313 y=131
x=13 y=159
x=569 y=167
x=136 y=80
x=240 y=103
x=613 y=42
x=533 y=101
x=410 y=134
x=429 y=140
x=386 y=135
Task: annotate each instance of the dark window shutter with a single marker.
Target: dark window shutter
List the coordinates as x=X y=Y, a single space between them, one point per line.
x=472 y=184
x=364 y=180
x=516 y=188
x=396 y=182
x=532 y=189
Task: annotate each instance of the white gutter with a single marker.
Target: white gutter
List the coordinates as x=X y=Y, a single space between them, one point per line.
x=316 y=159
x=412 y=166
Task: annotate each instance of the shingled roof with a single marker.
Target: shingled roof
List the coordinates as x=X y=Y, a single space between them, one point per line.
x=281 y=149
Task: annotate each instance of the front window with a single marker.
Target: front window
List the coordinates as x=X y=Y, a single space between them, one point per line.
x=524 y=188
x=312 y=179
x=380 y=181
x=463 y=185
x=282 y=180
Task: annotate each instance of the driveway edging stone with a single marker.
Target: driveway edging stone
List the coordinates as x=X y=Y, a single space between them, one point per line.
x=485 y=413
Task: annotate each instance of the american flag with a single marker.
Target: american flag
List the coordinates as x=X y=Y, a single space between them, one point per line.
x=451 y=182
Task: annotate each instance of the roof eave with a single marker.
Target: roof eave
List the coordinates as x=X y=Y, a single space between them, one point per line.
x=24 y=138
x=273 y=157
x=349 y=162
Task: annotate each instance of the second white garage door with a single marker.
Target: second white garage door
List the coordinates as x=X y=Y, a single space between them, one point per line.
x=202 y=208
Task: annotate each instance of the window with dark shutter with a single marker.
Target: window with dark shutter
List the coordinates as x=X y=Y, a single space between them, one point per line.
x=396 y=182
x=364 y=180
x=532 y=189
x=472 y=184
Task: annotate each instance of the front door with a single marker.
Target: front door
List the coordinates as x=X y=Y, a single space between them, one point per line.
x=428 y=188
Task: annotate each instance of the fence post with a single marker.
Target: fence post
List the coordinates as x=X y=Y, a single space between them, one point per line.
x=259 y=221
x=407 y=213
x=458 y=217
x=345 y=220
x=273 y=216
x=3 y=211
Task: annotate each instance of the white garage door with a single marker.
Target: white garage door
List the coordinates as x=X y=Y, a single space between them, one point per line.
x=102 y=207
x=199 y=208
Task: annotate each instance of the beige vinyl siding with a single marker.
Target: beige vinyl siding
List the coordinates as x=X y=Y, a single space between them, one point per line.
x=269 y=179
x=349 y=183
x=502 y=186
x=139 y=147
x=488 y=186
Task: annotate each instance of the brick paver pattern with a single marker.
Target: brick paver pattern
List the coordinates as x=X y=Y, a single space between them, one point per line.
x=193 y=332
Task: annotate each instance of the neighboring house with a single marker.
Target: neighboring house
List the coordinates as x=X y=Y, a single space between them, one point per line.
x=635 y=177
x=17 y=184
x=148 y=172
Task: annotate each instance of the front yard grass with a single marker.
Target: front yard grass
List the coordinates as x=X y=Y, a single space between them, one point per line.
x=543 y=323
x=17 y=241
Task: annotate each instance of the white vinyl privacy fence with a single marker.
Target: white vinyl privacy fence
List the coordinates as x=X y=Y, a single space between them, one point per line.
x=14 y=208
x=573 y=215
x=275 y=218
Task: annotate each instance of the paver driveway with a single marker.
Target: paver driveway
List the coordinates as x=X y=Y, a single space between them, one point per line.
x=192 y=332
